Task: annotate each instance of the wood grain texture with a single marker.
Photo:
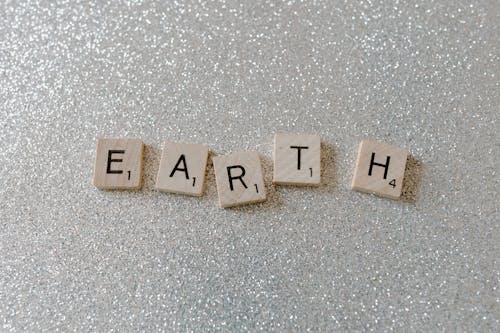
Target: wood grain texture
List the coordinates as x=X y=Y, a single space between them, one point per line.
x=239 y=179
x=297 y=160
x=118 y=164
x=380 y=169
x=182 y=168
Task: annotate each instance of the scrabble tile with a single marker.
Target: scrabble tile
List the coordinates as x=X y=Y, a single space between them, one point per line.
x=182 y=168
x=239 y=179
x=118 y=164
x=297 y=159
x=380 y=169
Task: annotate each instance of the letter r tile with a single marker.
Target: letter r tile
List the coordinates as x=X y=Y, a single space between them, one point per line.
x=297 y=159
x=380 y=169
x=118 y=164
x=182 y=168
x=239 y=179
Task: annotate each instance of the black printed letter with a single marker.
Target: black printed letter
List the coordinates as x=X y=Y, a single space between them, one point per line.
x=240 y=177
x=386 y=165
x=298 y=154
x=176 y=168
x=110 y=160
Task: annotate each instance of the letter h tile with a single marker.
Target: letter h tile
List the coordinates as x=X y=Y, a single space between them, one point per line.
x=380 y=169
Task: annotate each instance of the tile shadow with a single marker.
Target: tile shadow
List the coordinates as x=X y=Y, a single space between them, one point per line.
x=152 y=157
x=411 y=180
x=328 y=167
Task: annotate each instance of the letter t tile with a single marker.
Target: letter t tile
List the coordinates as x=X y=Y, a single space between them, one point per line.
x=297 y=159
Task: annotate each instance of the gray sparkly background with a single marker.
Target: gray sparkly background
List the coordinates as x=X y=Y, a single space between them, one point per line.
x=420 y=74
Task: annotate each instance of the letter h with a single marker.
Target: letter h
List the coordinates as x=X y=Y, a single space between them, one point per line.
x=386 y=165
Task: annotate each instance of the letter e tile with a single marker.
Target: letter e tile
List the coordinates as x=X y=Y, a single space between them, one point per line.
x=118 y=164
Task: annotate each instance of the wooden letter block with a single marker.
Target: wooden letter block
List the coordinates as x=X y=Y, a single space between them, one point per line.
x=297 y=159
x=380 y=169
x=239 y=179
x=118 y=164
x=182 y=168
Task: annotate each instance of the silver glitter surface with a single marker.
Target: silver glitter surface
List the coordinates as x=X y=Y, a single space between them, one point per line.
x=420 y=74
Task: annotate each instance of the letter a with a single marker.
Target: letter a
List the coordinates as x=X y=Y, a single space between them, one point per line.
x=184 y=169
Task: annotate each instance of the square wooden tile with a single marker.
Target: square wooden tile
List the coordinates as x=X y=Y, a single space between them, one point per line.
x=380 y=169
x=182 y=168
x=239 y=179
x=297 y=159
x=118 y=163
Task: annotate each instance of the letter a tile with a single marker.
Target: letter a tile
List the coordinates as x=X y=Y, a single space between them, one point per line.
x=182 y=168
x=118 y=164
x=239 y=179
x=380 y=169
x=297 y=159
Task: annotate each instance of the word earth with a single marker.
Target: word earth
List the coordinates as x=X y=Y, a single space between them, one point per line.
x=297 y=161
